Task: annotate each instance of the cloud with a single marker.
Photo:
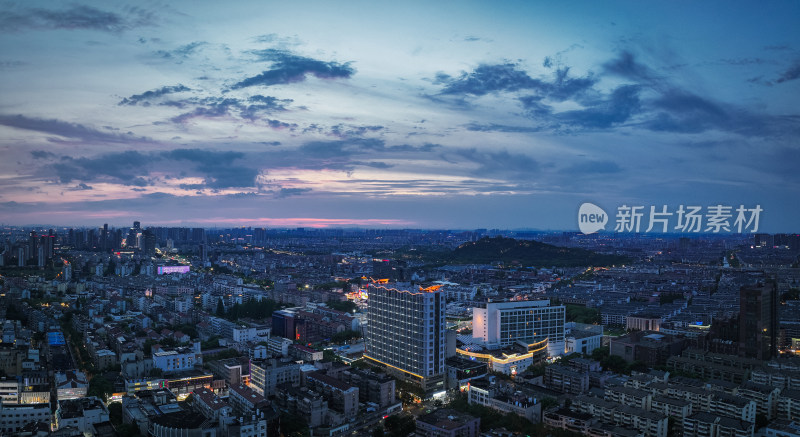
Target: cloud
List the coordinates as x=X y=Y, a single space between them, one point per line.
x=494 y=127
x=617 y=108
x=347 y=131
x=291 y=68
x=65 y=129
x=250 y=109
x=792 y=73
x=509 y=77
x=75 y=17
x=626 y=66
x=183 y=51
x=217 y=168
x=148 y=95
x=124 y=167
x=42 y=154
x=503 y=163
x=680 y=111
x=490 y=78
x=287 y=192
x=592 y=167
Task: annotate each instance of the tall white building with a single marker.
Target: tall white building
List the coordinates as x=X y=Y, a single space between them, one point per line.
x=406 y=332
x=502 y=324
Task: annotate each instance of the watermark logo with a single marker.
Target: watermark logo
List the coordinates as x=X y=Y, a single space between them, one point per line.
x=591 y=218
x=684 y=219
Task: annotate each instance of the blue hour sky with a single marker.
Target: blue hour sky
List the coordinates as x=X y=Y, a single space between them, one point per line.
x=395 y=114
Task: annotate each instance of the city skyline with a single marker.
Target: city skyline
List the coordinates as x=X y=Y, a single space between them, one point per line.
x=410 y=115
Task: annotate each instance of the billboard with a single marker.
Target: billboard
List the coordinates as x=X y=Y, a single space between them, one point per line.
x=162 y=270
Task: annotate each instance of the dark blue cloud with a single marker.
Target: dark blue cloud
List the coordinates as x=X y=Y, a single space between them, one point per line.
x=792 y=73
x=81 y=187
x=591 y=167
x=73 y=18
x=510 y=77
x=291 y=68
x=251 y=109
x=535 y=106
x=617 y=108
x=626 y=65
x=42 y=154
x=217 y=168
x=680 y=111
x=499 y=164
x=152 y=94
x=124 y=167
x=287 y=192
x=73 y=131
x=182 y=52
x=494 y=127
x=490 y=78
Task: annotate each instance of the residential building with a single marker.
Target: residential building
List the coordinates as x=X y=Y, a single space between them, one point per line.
x=703 y=424
x=80 y=413
x=14 y=417
x=341 y=396
x=265 y=375
x=447 y=423
x=765 y=397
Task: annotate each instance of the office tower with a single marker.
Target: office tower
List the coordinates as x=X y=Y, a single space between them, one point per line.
x=32 y=245
x=104 y=238
x=502 y=324
x=130 y=241
x=148 y=243
x=115 y=245
x=758 y=321
x=406 y=333
x=137 y=226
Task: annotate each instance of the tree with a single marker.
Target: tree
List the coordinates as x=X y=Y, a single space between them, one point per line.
x=101 y=387
x=346 y=306
x=220 y=308
x=293 y=425
x=615 y=364
x=341 y=337
x=400 y=425
x=600 y=353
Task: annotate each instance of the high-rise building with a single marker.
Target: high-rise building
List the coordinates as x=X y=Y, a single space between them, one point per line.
x=149 y=243
x=758 y=321
x=104 y=246
x=32 y=245
x=502 y=324
x=406 y=333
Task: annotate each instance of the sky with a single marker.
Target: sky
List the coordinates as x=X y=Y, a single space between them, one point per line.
x=409 y=114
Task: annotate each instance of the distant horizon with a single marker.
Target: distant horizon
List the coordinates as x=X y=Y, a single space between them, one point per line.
x=364 y=228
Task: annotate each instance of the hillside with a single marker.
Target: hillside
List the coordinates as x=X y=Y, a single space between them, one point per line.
x=529 y=253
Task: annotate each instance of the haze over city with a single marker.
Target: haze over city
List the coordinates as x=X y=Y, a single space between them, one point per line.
x=394 y=115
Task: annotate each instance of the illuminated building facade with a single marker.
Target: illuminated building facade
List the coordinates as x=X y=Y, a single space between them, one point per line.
x=502 y=324
x=406 y=333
